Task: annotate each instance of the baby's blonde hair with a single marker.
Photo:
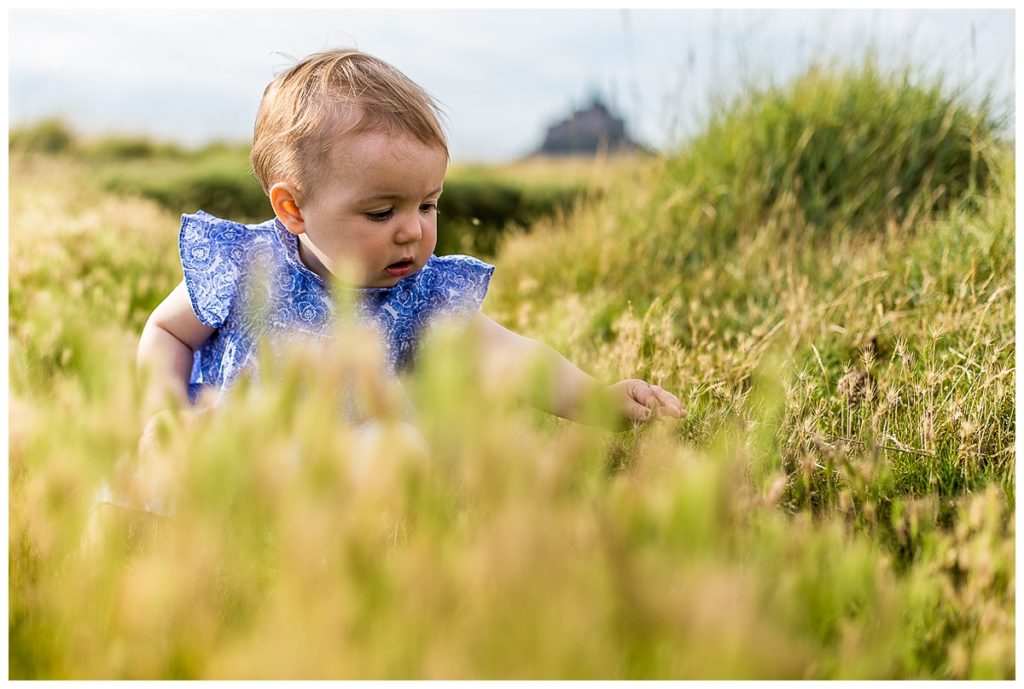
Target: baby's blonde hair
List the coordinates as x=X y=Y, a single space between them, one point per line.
x=327 y=94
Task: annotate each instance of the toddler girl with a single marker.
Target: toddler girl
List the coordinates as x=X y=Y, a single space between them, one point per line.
x=353 y=158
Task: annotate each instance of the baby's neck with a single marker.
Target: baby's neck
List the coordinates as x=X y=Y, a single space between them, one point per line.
x=312 y=260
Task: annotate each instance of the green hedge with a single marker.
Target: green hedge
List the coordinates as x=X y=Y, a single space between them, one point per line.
x=476 y=208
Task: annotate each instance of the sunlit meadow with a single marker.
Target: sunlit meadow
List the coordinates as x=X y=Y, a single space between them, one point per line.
x=825 y=276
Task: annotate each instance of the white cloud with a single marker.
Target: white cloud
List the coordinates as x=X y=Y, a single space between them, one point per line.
x=502 y=74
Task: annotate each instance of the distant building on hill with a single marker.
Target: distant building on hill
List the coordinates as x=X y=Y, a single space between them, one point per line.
x=587 y=132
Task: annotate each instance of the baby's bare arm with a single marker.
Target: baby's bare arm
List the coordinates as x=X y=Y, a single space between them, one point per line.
x=509 y=355
x=166 y=347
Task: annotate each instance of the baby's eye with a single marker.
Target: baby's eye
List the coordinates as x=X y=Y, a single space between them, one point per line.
x=427 y=207
x=380 y=216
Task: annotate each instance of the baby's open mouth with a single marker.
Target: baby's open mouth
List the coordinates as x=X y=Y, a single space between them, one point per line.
x=399 y=269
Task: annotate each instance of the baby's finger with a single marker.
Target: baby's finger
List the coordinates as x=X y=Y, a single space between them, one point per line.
x=647 y=406
x=669 y=402
x=642 y=393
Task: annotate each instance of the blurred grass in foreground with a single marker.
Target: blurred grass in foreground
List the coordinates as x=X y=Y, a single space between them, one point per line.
x=481 y=545
x=796 y=525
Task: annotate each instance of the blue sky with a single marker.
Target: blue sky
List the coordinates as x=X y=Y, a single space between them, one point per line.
x=502 y=75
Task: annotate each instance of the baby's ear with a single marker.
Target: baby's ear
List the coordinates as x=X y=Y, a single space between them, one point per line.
x=286 y=207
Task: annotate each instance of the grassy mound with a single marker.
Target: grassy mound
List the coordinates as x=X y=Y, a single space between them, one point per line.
x=852 y=224
x=832 y=152
x=856 y=149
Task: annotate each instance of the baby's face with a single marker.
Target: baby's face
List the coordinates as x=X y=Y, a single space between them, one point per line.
x=375 y=207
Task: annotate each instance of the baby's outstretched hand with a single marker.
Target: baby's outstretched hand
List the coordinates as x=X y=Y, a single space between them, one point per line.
x=639 y=401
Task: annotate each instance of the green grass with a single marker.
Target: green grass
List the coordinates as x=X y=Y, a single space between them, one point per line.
x=856 y=148
x=786 y=529
x=707 y=289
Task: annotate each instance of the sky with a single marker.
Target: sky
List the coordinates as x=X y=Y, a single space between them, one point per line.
x=194 y=76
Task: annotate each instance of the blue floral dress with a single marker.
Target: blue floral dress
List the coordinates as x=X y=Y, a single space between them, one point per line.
x=248 y=282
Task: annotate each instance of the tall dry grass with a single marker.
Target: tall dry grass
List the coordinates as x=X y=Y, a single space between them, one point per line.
x=801 y=523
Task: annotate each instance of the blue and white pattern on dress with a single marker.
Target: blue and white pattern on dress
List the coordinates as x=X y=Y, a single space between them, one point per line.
x=248 y=282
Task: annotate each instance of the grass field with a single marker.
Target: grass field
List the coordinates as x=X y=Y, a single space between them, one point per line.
x=825 y=276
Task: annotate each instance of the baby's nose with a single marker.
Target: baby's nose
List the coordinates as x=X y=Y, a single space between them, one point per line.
x=409 y=231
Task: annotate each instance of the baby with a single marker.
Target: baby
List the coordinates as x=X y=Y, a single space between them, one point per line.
x=352 y=156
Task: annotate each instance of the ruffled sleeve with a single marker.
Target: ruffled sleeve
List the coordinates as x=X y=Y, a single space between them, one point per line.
x=455 y=286
x=212 y=258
